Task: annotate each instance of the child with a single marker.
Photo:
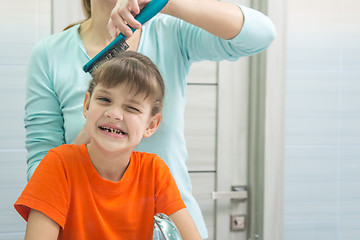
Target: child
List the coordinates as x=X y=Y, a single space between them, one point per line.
x=105 y=190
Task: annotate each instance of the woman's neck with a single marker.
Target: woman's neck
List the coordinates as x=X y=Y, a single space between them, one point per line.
x=96 y=26
x=94 y=33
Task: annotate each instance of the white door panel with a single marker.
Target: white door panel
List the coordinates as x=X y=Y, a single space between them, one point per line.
x=200 y=127
x=232 y=144
x=203 y=184
x=204 y=72
x=200 y=134
x=216 y=123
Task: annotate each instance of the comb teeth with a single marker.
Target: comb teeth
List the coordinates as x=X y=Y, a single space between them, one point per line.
x=111 y=53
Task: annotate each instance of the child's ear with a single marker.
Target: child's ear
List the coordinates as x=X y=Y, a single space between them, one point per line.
x=153 y=125
x=86 y=104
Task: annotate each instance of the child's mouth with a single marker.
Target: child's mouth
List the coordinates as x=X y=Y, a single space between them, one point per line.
x=111 y=130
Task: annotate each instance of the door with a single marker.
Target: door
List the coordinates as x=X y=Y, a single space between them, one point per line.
x=216 y=135
x=246 y=149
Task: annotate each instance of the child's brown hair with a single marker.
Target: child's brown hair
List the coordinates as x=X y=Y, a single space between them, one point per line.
x=136 y=72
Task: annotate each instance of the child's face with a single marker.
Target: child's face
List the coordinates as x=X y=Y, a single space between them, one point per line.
x=116 y=120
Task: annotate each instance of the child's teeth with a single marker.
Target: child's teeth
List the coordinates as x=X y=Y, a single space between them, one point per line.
x=112 y=130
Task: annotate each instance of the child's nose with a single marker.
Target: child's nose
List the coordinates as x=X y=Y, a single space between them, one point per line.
x=114 y=113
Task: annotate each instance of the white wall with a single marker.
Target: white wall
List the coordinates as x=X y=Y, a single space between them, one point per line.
x=22 y=24
x=322 y=167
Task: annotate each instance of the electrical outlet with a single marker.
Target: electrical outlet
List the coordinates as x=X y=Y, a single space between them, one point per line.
x=238 y=222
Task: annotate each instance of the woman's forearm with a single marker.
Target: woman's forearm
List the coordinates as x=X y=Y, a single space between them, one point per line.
x=222 y=19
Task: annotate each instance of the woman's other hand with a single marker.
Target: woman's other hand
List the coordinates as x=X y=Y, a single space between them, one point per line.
x=82 y=137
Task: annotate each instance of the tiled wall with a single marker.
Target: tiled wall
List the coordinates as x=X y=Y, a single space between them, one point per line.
x=322 y=151
x=22 y=24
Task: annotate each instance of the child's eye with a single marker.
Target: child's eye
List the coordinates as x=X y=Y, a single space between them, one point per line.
x=103 y=99
x=133 y=109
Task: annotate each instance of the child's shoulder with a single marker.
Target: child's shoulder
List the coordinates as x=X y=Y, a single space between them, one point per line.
x=144 y=155
x=69 y=150
x=150 y=159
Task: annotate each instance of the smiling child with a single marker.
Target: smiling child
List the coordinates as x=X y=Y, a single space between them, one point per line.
x=104 y=189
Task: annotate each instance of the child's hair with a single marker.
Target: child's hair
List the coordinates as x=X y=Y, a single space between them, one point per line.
x=136 y=72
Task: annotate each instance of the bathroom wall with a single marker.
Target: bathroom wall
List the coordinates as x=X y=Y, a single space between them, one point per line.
x=22 y=24
x=322 y=150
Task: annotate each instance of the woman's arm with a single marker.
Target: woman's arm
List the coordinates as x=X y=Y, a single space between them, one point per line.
x=185 y=224
x=43 y=118
x=235 y=31
x=40 y=227
x=222 y=19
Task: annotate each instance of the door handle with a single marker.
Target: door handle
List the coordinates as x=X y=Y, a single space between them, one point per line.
x=236 y=193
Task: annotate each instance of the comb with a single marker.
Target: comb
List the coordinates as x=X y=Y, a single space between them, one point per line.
x=119 y=45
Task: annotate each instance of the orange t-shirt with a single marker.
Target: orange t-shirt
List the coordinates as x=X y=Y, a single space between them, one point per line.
x=67 y=188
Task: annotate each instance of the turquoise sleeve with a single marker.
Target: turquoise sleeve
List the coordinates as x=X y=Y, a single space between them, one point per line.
x=257 y=33
x=43 y=118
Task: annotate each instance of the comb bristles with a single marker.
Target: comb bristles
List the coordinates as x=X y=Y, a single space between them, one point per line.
x=111 y=53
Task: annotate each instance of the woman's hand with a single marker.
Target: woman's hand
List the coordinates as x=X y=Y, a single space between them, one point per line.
x=82 y=137
x=123 y=15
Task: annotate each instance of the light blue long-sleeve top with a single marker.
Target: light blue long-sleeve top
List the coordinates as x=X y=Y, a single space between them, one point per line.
x=56 y=86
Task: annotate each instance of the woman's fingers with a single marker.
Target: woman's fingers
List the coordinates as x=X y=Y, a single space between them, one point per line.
x=112 y=29
x=122 y=17
x=134 y=6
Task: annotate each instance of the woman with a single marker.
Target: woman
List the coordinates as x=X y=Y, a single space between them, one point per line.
x=186 y=32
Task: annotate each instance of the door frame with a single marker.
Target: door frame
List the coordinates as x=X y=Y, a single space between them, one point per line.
x=266 y=130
